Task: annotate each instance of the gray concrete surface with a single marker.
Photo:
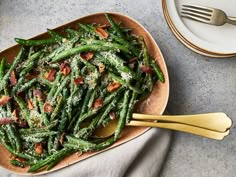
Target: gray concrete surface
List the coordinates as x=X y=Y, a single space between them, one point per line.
x=198 y=84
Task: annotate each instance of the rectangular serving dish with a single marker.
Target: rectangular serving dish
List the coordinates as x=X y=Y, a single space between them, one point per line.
x=155 y=104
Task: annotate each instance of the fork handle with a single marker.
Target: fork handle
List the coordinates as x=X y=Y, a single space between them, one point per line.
x=231 y=20
x=182 y=128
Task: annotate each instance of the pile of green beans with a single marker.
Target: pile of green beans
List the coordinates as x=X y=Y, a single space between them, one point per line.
x=59 y=90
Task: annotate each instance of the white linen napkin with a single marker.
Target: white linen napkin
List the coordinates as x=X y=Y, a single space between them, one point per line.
x=140 y=157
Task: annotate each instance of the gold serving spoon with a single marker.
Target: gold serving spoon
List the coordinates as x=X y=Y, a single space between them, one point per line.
x=210 y=125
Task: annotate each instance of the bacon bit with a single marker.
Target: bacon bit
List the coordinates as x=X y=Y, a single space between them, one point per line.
x=87 y=55
x=30 y=104
x=101 y=32
x=51 y=75
x=64 y=68
x=38 y=147
x=22 y=123
x=79 y=80
x=47 y=107
x=113 y=86
x=13 y=79
x=132 y=60
x=97 y=103
x=6 y=120
x=39 y=94
x=61 y=140
x=4 y=100
x=147 y=69
x=15 y=115
x=112 y=115
x=104 y=26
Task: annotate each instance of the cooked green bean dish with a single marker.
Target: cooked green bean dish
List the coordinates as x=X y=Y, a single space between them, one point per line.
x=59 y=91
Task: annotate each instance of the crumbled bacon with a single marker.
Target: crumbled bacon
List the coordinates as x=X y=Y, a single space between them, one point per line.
x=101 y=32
x=47 y=107
x=51 y=75
x=30 y=104
x=38 y=147
x=104 y=26
x=15 y=115
x=61 y=140
x=79 y=80
x=22 y=123
x=87 y=55
x=132 y=60
x=112 y=115
x=4 y=100
x=13 y=79
x=39 y=95
x=147 y=69
x=97 y=103
x=113 y=86
x=6 y=120
x=64 y=68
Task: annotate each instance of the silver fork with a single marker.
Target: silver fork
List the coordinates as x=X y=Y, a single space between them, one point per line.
x=208 y=15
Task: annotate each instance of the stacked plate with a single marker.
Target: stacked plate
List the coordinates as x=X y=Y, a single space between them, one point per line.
x=205 y=39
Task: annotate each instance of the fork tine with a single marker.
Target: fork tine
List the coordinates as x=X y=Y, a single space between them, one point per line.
x=194 y=18
x=205 y=9
x=196 y=14
x=197 y=11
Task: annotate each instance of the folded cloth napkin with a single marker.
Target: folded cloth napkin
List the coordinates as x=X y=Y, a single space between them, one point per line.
x=140 y=157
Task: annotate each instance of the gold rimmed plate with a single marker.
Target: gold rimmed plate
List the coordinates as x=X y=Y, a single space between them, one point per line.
x=182 y=38
x=157 y=101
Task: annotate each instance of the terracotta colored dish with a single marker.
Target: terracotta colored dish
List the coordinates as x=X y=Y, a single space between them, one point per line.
x=157 y=101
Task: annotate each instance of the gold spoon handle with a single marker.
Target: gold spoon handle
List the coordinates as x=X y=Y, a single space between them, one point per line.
x=183 y=128
x=213 y=121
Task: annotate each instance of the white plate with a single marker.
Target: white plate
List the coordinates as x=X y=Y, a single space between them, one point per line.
x=216 y=39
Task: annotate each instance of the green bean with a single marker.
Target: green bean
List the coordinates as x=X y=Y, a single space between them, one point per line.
x=35 y=42
x=58 y=38
x=42 y=134
x=26 y=131
x=123 y=115
x=114 y=26
x=27 y=85
x=72 y=33
x=17 y=60
x=19 y=154
x=62 y=123
x=122 y=41
x=54 y=86
x=30 y=64
x=58 y=159
x=131 y=106
x=105 y=102
x=60 y=88
x=2 y=67
x=57 y=109
x=158 y=71
x=67 y=45
x=48 y=160
x=24 y=110
x=85 y=48
x=18 y=163
x=118 y=63
x=44 y=114
x=83 y=109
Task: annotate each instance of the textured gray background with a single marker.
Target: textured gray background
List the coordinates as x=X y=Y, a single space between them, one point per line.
x=198 y=84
